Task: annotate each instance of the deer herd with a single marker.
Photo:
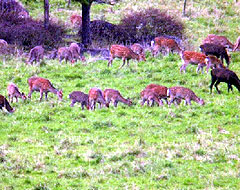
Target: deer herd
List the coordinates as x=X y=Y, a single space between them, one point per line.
x=214 y=50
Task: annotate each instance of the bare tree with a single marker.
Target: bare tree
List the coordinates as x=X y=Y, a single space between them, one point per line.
x=46 y=14
x=184 y=8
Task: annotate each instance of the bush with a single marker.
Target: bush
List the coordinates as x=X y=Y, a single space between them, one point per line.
x=27 y=32
x=147 y=24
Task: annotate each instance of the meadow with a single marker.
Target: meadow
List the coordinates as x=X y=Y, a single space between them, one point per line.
x=50 y=145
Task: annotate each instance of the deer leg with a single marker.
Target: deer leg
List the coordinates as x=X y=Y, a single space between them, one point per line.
x=230 y=87
x=216 y=84
x=170 y=101
x=16 y=98
x=211 y=86
x=115 y=103
x=73 y=102
x=143 y=101
x=30 y=94
x=123 y=63
x=183 y=67
x=41 y=95
x=82 y=105
x=46 y=93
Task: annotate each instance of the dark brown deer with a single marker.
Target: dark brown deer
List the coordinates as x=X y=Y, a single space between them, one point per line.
x=35 y=54
x=65 y=53
x=123 y=52
x=81 y=97
x=188 y=95
x=4 y=103
x=13 y=92
x=195 y=58
x=95 y=95
x=161 y=91
x=150 y=96
x=138 y=49
x=164 y=43
x=112 y=95
x=224 y=75
x=42 y=85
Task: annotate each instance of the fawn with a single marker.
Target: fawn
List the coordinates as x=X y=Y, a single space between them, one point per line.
x=81 y=97
x=13 y=91
x=150 y=96
x=65 y=53
x=138 y=49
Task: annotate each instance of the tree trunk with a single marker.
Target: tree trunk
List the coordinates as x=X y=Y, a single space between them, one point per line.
x=69 y=3
x=184 y=8
x=46 y=14
x=86 y=31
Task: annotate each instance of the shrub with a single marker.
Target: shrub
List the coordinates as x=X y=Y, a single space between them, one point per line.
x=27 y=32
x=146 y=24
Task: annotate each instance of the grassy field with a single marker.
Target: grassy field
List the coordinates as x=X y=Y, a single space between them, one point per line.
x=49 y=145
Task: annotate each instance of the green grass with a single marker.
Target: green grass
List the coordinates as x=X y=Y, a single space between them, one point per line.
x=49 y=145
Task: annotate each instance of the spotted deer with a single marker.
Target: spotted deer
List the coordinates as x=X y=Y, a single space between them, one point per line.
x=220 y=40
x=36 y=54
x=138 y=49
x=42 y=85
x=123 y=52
x=163 y=43
x=75 y=50
x=76 y=20
x=4 y=103
x=13 y=92
x=112 y=95
x=195 y=58
x=187 y=94
x=95 y=95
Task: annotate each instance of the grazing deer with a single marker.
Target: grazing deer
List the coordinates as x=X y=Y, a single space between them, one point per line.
x=111 y=95
x=138 y=49
x=224 y=75
x=13 y=91
x=75 y=50
x=81 y=97
x=65 y=53
x=195 y=58
x=95 y=95
x=161 y=91
x=165 y=43
x=123 y=52
x=44 y=86
x=213 y=62
x=4 y=103
x=150 y=96
x=76 y=20
x=188 y=95
x=35 y=54
x=220 y=40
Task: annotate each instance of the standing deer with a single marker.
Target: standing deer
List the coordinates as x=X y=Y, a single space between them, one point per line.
x=36 y=54
x=75 y=50
x=95 y=95
x=112 y=95
x=123 y=52
x=42 y=85
x=164 y=43
x=150 y=96
x=195 y=58
x=4 y=103
x=13 y=91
